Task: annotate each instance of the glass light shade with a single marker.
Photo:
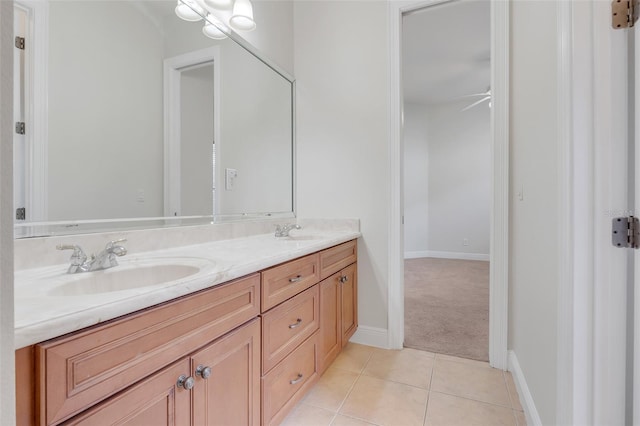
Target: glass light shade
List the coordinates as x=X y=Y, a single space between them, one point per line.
x=189 y=10
x=242 y=18
x=219 y=4
x=212 y=29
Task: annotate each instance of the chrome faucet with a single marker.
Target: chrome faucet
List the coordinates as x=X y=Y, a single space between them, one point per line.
x=104 y=260
x=283 y=230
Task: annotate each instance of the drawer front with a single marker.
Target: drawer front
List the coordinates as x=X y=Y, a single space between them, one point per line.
x=287 y=383
x=285 y=281
x=287 y=325
x=79 y=370
x=335 y=258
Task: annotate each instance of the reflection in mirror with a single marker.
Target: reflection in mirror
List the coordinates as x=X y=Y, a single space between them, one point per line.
x=150 y=119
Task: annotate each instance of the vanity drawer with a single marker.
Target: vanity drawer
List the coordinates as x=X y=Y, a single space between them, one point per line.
x=287 y=383
x=78 y=370
x=289 y=324
x=285 y=281
x=335 y=258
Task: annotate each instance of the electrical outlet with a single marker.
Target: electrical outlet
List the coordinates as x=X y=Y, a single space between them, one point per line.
x=140 y=196
x=465 y=241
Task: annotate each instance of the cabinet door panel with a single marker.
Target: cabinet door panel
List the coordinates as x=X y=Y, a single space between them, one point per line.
x=155 y=401
x=349 y=303
x=330 y=338
x=231 y=394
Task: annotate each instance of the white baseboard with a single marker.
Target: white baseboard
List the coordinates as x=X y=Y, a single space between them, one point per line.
x=445 y=255
x=371 y=336
x=530 y=411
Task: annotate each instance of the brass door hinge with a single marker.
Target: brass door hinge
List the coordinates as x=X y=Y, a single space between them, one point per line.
x=624 y=13
x=20 y=43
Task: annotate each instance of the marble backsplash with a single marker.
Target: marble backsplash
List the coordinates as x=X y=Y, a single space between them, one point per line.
x=41 y=251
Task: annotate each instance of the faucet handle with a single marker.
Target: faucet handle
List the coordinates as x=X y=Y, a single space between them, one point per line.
x=78 y=257
x=114 y=242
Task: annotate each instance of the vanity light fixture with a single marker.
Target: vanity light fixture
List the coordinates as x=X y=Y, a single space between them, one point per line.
x=219 y=4
x=213 y=28
x=220 y=17
x=189 y=10
x=242 y=18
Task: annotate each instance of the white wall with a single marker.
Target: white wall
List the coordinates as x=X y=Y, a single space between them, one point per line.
x=416 y=180
x=456 y=190
x=534 y=250
x=341 y=66
x=105 y=139
x=7 y=354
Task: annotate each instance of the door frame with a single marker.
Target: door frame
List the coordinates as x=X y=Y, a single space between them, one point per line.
x=173 y=68
x=499 y=240
x=36 y=108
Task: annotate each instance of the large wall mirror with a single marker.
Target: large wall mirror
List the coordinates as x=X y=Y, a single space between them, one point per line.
x=148 y=123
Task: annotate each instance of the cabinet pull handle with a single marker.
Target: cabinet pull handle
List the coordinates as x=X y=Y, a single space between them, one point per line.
x=296 y=380
x=344 y=279
x=295 y=279
x=296 y=324
x=186 y=382
x=204 y=372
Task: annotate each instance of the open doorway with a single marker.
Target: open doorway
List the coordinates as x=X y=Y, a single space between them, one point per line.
x=447 y=177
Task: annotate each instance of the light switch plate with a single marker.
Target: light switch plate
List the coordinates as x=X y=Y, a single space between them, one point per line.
x=230 y=176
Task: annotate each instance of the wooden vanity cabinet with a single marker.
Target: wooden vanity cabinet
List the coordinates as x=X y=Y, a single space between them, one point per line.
x=249 y=350
x=338 y=302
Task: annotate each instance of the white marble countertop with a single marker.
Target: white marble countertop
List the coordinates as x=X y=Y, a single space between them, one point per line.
x=41 y=314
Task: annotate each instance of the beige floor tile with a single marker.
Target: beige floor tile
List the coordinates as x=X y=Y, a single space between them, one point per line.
x=308 y=415
x=470 y=381
x=463 y=360
x=513 y=392
x=332 y=389
x=408 y=366
x=353 y=357
x=386 y=403
x=349 y=421
x=448 y=410
x=521 y=420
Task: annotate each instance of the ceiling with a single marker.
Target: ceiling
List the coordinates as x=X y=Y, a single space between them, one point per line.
x=446 y=51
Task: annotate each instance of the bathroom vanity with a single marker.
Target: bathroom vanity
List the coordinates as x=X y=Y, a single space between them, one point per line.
x=238 y=351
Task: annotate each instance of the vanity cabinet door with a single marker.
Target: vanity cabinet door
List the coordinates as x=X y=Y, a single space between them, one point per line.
x=349 y=301
x=155 y=401
x=227 y=379
x=330 y=338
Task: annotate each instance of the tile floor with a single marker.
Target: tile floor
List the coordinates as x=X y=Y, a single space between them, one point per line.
x=370 y=386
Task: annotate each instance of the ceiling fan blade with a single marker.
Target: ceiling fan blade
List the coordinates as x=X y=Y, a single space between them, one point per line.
x=476 y=103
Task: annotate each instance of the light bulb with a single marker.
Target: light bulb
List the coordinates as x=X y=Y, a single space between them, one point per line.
x=212 y=28
x=219 y=4
x=189 y=10
x=242 y=18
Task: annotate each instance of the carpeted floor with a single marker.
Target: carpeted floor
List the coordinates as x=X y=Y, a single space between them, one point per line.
x=447 y=307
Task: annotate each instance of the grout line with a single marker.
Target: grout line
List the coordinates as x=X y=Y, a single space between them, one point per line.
x=476 y=400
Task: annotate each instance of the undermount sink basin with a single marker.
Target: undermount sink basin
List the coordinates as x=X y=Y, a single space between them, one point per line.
x=123 y=279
